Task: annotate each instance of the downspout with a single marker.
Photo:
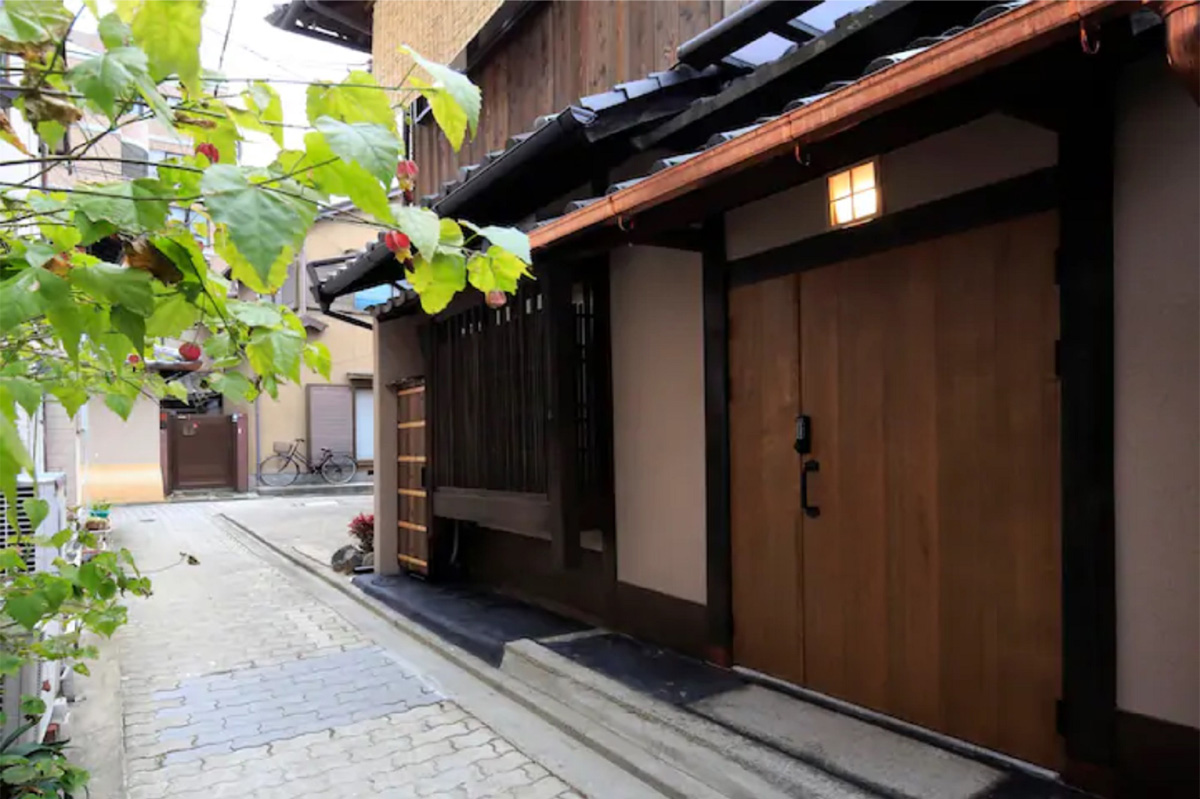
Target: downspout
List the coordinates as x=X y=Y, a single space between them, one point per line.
x=1182 y=21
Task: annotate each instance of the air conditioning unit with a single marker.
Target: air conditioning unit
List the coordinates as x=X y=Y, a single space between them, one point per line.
x=39 y=678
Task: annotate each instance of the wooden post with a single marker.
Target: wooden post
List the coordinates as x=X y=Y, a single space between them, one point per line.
x=561 y=444
x=1089 y=649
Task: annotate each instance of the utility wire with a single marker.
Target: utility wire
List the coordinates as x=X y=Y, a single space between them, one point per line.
x=228 y=28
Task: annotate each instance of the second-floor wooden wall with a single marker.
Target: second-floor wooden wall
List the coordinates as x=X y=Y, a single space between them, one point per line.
x=559 y=52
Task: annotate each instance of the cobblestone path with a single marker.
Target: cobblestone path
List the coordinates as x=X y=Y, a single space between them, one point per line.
x=237 y=683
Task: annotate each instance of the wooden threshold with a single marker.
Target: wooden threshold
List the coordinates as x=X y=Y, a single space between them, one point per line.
x=412 y=492
x=410 y=425
x=405 y=392
x=420 y=528
x=411 y=459
x=412 y=561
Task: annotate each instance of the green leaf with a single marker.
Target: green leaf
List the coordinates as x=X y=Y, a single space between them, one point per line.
x=275 y=352
x=119 y=404
x=71 y=397
x=36 y=510
x=261 y=224
x=437 y=281
x=255 y=314
x=170 y=35
x=454 y=100
x=451 y=234
x=19 y=299
x=334 y=176
x=25 y=392
x=113 y=32
x=421 y=225
x=176 y=390
x=10 y=664
x=318 y=359
x=232 y=385
x=509 y=238
x=248 y=274
x=120 y=286
x=81 y=668
x=373 y=147
x=130 y=325
x=11 y=560
x=91 y=231
x=360 y=102
x=173 y=314
x=508 y=268
x=60 y=538
x=32 y=706
x=265 y=107
x=186 y=181
x=26 y=609
x=65 y=315
x=33 y=21
x=448 y=114
x=135 y=206
x=109 y=77
x=37 y=253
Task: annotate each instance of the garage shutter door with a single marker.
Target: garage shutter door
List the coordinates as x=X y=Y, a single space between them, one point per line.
x=330 y=419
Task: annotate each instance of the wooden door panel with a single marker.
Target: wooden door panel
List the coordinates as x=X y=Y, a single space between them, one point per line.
x=930 y=582
x=765 y=477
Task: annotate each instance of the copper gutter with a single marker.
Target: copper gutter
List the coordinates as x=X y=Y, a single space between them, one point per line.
x=994 y=43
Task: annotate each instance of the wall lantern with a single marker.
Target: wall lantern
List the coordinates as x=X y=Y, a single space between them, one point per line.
x=854 y=195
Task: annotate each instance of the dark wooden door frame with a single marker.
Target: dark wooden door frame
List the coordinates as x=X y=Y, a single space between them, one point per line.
x=1081 y=187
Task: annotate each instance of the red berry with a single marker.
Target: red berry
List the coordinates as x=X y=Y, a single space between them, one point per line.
x=496 y=299
x=189 y=351
x=396 y=241
x=134 y=358
x=209 y=151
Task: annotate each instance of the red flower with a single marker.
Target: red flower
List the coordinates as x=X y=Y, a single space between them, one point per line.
x=209 y=151
x=406 y=169
x=496 y=299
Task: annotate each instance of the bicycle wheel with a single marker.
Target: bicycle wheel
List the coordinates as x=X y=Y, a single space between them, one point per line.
x=278 y=471
x=339 y=469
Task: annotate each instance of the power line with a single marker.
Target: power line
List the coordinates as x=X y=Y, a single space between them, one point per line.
x=228 y=28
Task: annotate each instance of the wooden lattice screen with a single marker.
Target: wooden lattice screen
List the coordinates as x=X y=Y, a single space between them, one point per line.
x=412 y=496
x=489 y=386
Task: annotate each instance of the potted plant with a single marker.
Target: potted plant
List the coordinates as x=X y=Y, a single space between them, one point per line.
x=100 y=510
x=359 y=556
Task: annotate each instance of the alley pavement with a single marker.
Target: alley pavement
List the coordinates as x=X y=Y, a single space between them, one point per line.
x=236 y=681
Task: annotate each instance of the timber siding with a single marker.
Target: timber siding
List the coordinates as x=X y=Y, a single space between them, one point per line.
x=558 y=53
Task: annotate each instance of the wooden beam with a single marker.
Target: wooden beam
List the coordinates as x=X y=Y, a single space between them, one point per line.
x=1036 y=191
x=499 y=510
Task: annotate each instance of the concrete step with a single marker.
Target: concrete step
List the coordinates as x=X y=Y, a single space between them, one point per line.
x=316 y=488
x=729 y=764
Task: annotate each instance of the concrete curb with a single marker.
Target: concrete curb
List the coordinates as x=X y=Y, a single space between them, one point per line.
x=631 y=757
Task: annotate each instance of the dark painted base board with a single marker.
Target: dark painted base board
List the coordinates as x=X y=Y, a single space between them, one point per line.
x=1156 y=758
x=666 y=620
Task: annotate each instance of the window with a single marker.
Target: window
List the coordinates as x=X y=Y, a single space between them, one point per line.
x=854 y=195
x=132 y=166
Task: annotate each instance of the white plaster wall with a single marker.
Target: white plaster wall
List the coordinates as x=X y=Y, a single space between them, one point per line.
x=985 y=151
x=1157 y=251
x=658 y=420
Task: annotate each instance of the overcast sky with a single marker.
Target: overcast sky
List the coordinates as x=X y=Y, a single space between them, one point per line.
x=256 y=49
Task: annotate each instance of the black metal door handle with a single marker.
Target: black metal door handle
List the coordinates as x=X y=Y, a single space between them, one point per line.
x=811 y=511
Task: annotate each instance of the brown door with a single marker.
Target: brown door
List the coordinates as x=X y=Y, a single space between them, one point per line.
x=413 y=511
x=927 y=583
x=202 y=452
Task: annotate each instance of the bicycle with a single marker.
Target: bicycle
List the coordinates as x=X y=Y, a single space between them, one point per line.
x=282 y=468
